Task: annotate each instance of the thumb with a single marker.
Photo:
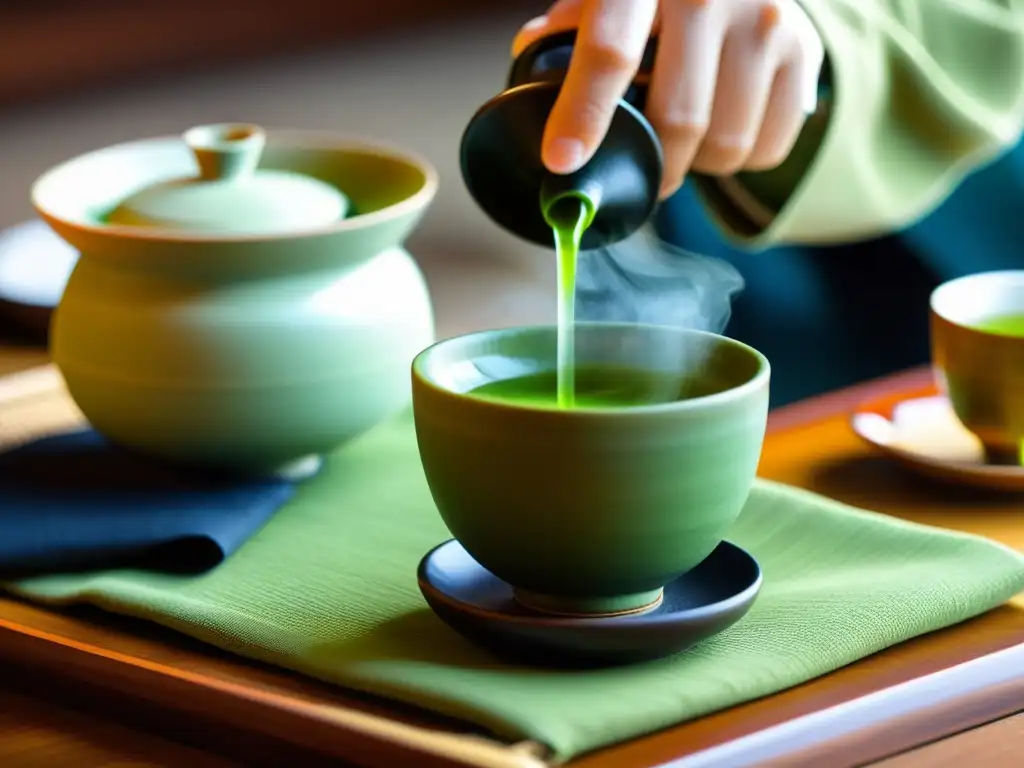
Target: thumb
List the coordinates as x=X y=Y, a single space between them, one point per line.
x=563 y=15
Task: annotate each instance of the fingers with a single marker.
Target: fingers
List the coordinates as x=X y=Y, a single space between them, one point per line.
x=680 y=99
x=783 y=120
x=747 y=71
x=731 y=87
x=609 y=47
x=563 y=15
x=806 y=55
x=793 y=94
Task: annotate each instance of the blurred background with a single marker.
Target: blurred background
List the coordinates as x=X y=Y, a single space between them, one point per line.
x=77 y=75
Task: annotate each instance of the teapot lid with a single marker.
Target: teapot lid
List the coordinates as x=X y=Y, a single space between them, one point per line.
x=231 y=195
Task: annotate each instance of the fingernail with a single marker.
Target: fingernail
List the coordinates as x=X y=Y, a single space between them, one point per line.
x=564 y=155
x=526 y=35
x=768 y=19
x=537 y=23
x=811 y=98
x=667 y=190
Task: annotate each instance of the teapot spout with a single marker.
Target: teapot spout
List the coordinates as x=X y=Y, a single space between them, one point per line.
x=502 y=168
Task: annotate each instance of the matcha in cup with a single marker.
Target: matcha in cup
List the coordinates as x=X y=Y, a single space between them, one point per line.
x=977 y=330
x=590 y=510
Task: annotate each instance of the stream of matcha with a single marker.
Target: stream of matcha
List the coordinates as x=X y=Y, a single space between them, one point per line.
x=568 y=217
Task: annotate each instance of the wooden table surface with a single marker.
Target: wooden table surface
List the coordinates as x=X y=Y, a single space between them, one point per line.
x=56 y=720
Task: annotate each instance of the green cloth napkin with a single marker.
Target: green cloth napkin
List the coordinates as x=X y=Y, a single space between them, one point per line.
x=328 y=588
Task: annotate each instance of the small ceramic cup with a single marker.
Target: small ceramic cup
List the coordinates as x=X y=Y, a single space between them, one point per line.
x=982 y=371
x=591 y=510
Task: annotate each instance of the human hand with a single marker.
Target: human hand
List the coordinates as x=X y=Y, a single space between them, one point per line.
x=732 y=84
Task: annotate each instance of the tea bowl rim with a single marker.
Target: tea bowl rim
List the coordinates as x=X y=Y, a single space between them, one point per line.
x=298 y=138
x=760 y=379
x=941 y=298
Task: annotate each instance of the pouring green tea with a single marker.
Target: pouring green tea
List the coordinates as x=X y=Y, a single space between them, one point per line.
x=569 y=216
x=602 y=203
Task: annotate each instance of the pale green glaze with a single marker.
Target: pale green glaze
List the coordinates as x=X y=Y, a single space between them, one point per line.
x=229 y=193
x=250 y=352
x=587 y=509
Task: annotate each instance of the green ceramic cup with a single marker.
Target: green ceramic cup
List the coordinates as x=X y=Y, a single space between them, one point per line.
x=591 y=510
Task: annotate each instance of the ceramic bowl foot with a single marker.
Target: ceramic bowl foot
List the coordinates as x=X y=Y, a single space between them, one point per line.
x=590 y=608
x=1004 y=456
x=697 y=605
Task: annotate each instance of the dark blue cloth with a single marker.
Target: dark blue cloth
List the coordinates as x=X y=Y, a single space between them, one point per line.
x=831 y=317
x=73 y=502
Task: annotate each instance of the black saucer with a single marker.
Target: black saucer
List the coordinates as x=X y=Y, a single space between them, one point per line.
x=697 y=605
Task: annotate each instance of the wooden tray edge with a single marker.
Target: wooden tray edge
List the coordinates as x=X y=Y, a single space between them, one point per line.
x=352 y=730
x=884 y=723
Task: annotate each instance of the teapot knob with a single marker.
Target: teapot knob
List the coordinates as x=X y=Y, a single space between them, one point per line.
x=226 y=150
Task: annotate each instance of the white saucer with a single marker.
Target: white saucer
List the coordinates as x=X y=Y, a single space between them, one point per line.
x=921 y=431
x=35 y=265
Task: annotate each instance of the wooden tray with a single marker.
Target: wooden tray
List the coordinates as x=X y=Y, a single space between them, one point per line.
x=915 y=693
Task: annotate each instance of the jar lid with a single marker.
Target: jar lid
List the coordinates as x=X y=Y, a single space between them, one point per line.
x=231 y=195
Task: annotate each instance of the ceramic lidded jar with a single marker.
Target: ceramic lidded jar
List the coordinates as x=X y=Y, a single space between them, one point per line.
x=242 y=299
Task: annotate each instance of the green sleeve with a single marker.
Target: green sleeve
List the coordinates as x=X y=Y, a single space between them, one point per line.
x=923 y=92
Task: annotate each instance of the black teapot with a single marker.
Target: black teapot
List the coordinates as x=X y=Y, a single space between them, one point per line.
x=501 y=153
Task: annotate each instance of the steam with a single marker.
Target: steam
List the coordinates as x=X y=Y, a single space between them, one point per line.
x=645 y=280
